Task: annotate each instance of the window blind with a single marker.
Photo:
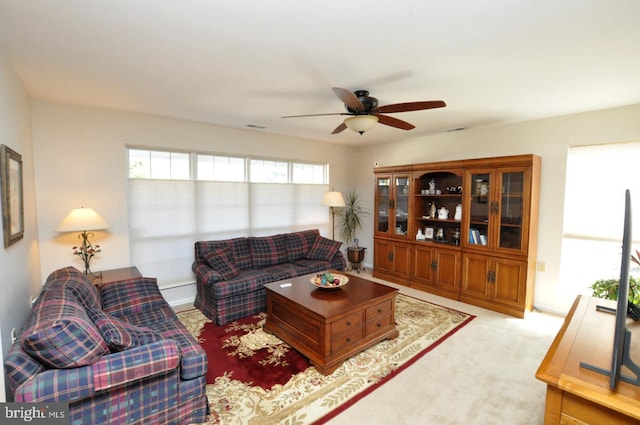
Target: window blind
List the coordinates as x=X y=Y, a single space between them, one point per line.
x=167 y=217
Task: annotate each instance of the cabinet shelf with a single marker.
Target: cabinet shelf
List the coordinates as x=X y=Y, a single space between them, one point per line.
x=437 y=220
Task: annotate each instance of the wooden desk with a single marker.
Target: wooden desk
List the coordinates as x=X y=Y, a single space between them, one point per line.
x=576 y=395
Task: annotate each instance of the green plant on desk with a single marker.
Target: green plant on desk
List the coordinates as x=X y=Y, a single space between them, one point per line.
x=608 y=288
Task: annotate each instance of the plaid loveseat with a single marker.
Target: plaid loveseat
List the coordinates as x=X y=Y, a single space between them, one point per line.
x=230 y=273
x=116 y=355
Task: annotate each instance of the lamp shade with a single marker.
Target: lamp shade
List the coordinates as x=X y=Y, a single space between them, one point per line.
x=80 y=219
x=361 y=123
x=333 y=199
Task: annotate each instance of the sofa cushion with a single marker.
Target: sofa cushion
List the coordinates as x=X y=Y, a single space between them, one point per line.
x=268 y=251
x=241 y=253
x=120 y=335
x=221 y=260
x=61 y=335
x=323 y=249
x=299 y=243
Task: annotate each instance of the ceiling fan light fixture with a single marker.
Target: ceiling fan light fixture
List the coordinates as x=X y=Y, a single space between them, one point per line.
x=361 y=123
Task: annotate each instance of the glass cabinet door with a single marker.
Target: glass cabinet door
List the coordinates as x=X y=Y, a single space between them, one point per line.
x=401 y=212
x=480 y=208
x=511 y=210
x=383 y=205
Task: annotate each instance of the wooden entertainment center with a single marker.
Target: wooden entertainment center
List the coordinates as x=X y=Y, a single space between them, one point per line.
x=479 y=219
x=576 y=395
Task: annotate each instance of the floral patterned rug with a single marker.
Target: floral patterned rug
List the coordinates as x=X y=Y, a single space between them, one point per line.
x=261 y=380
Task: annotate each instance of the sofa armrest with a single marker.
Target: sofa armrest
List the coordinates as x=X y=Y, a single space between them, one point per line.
x=68 y=385
x=205 y=274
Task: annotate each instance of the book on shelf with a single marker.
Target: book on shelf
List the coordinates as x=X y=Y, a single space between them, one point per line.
x=483 y=239
x=474 y=236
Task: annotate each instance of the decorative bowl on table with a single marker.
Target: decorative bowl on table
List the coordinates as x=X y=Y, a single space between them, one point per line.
x=329 y=280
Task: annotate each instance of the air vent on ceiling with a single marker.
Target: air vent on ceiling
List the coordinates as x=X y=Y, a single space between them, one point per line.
x=450 y=130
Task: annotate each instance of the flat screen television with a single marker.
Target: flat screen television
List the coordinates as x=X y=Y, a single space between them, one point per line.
x=622 y=336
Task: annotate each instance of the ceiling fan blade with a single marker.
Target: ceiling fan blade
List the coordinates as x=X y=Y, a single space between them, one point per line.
x=316 y=115
x=411 y=106
x=339 y=129
x=394 y=122
x=348 y=98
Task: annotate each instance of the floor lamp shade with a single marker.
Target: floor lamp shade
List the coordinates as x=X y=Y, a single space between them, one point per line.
x=333 y=199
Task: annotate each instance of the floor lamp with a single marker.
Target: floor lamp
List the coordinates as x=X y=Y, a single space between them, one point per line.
x=333 y=200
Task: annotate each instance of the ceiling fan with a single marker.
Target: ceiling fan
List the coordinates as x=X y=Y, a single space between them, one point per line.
x=364 y=112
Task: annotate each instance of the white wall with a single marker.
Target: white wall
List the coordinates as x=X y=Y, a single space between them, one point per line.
x=19 y=263
x=548 y=138
x=80 y=160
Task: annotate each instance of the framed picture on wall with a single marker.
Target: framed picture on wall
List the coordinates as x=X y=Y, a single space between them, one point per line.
x=12 y=196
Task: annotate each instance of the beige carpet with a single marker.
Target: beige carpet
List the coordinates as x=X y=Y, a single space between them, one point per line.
x=310 y=396
x=482 y=375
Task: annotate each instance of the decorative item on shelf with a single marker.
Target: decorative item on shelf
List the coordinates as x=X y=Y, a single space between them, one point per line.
x=420 y=235
x=432 y=187
x=432 y=211
x=458 y=215
x=333 y=200
x=456 y=236
x=440 y=234
x=443 y=213
x=81 y=220
x=429 y=232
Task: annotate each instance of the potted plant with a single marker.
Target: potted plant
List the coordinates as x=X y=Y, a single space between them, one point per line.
x=608 y=288
x=351 y=219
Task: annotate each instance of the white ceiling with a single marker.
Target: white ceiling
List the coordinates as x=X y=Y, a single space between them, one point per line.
x=248 y=62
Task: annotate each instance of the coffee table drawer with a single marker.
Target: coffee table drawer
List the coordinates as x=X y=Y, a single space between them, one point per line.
x=347 y=339
x=346 y=323
x=379 y=310
x=380 y=323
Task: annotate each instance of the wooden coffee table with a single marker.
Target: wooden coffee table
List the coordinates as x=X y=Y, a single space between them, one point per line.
x=329 y=326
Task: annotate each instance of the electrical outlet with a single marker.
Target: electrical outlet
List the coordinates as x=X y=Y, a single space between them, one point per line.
x=542 y=266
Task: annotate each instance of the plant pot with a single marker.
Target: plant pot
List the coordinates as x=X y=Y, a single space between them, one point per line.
x=355 y=256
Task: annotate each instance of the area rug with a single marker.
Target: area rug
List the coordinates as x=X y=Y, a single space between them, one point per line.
x=256 y=379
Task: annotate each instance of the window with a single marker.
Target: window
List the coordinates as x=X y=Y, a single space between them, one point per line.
x=146 y=164
x=265 y=171
x=177 y=198
x=220 y=168
x=597 y=177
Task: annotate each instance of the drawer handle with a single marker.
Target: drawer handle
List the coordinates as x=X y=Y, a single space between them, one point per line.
x=379 y=310
x=348 y=339
x=379 y=325
x=348 y=323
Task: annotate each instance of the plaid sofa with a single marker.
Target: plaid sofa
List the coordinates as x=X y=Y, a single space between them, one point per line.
x=230 y=273
x=116 y=355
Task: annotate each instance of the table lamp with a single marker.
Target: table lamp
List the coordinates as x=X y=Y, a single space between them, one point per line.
x=82 y=220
